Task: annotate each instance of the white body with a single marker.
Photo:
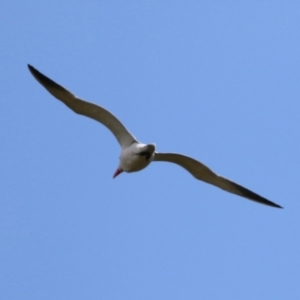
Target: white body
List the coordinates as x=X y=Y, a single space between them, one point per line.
x=132 y=161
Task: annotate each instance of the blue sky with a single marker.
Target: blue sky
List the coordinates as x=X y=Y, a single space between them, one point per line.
x=216 y=80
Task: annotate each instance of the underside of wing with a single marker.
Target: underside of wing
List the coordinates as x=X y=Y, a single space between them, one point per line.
x=79 y=106
x=202 y=172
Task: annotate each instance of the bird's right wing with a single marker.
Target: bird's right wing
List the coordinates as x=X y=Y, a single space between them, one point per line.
x=202 y=172
x=79 y=106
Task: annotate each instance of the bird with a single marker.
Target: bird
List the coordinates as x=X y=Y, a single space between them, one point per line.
x=136 y=156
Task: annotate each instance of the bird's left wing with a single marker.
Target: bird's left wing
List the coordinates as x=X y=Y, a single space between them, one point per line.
x=202 y=172
x=79 y=106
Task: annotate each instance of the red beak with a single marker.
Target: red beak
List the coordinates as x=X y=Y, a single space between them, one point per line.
x=118 y=171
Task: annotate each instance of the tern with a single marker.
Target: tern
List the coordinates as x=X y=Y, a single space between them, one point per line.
x=136 y=156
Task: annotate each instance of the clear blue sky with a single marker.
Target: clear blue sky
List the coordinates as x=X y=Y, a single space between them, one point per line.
x=216 y=80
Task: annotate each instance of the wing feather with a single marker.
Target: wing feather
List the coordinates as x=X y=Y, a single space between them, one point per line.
x=79 y=106
x=202 y=172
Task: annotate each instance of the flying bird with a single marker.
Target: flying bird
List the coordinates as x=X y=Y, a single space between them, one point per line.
x=136 y=156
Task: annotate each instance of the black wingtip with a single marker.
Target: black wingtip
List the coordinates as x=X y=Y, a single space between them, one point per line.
x=32 y=70
x=276 y=205
x=272 y=204
x=269 y=203
x=30 y=67
x=43 y=80
x=255 y=197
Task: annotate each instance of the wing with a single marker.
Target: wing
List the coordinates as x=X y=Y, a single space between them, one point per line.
x=98 y=113
x=202 y=172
